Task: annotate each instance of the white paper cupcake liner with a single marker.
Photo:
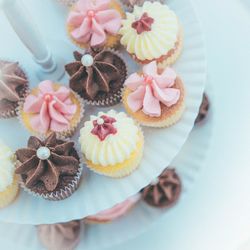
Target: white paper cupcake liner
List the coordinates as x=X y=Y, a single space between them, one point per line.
x=63 y=134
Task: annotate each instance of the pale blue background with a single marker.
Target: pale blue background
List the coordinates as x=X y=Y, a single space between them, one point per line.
x=216 y=213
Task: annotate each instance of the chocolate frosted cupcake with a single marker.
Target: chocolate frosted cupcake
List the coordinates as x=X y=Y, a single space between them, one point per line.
x=165 y=191
x=98 y=76
x=60 y=236
x=50 y=168
x=13 y=86
x=132 y=3
x=203 y=111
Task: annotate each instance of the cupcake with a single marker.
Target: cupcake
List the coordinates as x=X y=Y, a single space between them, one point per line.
x=131 y=3
x=152 y=32
x=112 y=144
x=50 y=169
x=8 y=180
x=155 y=98
x=68 y=3
x=95 y=23
x=203 y=111
x=51 y=107
x=113 y=213
x=165 y=191
x=61 y=236
x=98 y=76
x=13 y=86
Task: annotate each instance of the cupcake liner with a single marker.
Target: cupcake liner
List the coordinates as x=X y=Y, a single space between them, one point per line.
x=112 y=41
x=63 y=193
x=13 y=113
x=116 y=98
x=63 y=134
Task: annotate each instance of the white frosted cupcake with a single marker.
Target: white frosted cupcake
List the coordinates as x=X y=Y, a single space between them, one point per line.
x=152 y=32
x=112 y=144
x=8 y=180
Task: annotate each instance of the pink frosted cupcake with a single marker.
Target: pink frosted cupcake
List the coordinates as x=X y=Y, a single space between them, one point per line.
x=113 y=213
x=51 y=107
x=154 y=97
x=95 y=23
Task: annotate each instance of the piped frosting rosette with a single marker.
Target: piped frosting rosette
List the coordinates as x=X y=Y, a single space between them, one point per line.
x=112 y=144
x=95 y=23
x=49 y=168
x=51 y=107
x=154 y=97
x=150 y=32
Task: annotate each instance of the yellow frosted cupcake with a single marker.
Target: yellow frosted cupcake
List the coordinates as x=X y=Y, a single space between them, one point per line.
x=51 y=107
x=8 y=180
x=112 y=144
x=95 y=23
x=155 y=98
x=152 y=32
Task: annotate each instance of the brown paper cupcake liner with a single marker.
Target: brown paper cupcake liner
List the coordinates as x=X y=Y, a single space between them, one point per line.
x=117 y=97
x=63 y=134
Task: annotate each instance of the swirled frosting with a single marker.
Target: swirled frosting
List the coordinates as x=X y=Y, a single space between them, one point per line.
x=60 y=236
x=204 y=108
x=92 y=20
x=46 y=161
x=89 y=77
x=7 y=167
x=51 y=109
x=156 y=41
x=116 y=147
x=163 y=192
x=116 y=211
x=151 y=89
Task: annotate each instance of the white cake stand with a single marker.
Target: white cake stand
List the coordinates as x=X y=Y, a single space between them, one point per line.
x=162 y=145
